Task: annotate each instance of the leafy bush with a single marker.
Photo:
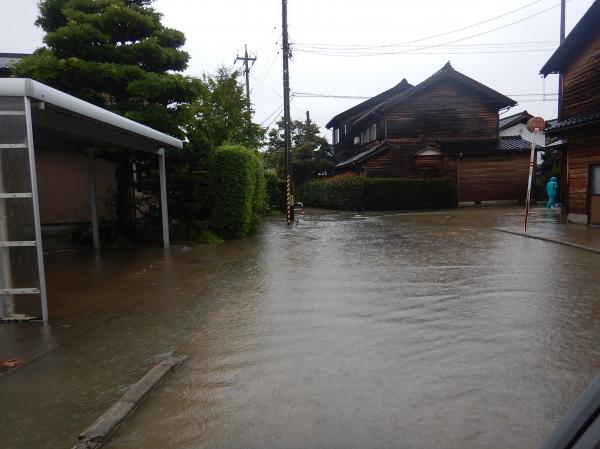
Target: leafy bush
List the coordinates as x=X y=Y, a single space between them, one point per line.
x=239 y=191
x=352 y=192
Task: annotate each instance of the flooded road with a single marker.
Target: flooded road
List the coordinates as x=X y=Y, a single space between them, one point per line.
x=411 y=331
x=346 y=331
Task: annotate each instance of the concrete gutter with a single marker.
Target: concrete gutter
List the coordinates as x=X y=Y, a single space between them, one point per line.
x=96 y=435
x=551 y=240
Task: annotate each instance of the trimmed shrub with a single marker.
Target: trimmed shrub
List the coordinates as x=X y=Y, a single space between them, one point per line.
x=239 y=191
x=338 y=192
x=352 y=192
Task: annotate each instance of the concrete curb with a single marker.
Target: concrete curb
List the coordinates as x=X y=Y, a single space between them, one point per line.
x=97 y=434
x=547 y=239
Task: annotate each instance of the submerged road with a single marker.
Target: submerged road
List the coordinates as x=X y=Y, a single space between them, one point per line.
x=346 y=331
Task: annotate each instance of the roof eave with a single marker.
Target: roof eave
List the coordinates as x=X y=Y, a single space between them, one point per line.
x=560 y=130
x=570 y=47
x=26 y=87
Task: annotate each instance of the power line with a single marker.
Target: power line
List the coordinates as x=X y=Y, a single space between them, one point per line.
x=443 y=44
x=485 y=44
x=449 y=32
x=492 y=30
x=275 y=92
x=267 y=68
x=274 y=113
x=356 y=97
x=408 y=52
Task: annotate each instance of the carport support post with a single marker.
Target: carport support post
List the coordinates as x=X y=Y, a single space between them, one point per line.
x=163 y=197
x=93 y=205
x=36 y=212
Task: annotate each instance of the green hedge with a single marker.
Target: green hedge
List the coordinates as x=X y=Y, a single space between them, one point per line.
x=359 y=193
x=239 y=191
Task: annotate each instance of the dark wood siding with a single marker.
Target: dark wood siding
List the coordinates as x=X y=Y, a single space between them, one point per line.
x=448 y=109
x=493 y=177
x=584 y=150
x=395 y=161
x=582 y=80
x=63 y=185
x=428 y=166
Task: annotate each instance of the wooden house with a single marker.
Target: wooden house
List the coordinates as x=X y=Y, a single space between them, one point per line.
x=578 y=60
x=445 y=126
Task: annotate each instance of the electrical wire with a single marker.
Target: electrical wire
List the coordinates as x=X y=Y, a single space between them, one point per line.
x=274 y=113
x=356 y=97
x=408 y=52
x=445 y=33
x=493 y=29
x=353 y=53
x=266 y=71
x=484 y=44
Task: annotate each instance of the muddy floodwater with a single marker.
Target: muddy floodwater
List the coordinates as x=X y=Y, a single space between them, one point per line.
x=345 y=331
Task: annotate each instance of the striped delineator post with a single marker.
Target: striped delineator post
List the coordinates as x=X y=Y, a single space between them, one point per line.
x=289 y=202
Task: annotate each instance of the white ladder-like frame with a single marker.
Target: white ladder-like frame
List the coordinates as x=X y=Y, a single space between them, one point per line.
x=33 y=195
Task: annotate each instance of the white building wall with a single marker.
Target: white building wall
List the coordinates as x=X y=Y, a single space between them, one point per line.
x=520 y=129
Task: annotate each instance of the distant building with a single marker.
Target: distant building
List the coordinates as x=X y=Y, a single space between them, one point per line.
x=516 y=125
x=578 y=60
x=7 y=60
x=445 y=126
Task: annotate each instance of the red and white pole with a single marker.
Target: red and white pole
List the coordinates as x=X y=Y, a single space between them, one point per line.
x=535 y=125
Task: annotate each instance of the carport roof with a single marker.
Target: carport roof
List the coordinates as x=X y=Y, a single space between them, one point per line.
x=97 y=125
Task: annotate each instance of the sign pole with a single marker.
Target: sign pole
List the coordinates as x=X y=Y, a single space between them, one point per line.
x=535 y=125
x=531 y=164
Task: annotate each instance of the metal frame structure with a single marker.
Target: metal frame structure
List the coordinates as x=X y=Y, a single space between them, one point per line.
x=46 y=109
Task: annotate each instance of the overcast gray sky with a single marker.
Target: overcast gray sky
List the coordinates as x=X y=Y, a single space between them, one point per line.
x=217 y=30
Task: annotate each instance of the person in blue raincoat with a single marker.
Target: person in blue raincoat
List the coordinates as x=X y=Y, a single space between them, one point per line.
x=551 y=190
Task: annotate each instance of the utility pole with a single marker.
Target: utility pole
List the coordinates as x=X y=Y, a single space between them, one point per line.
x=286 y=112
x=307 y=124
x=562 y=154
x=246 y=59
x=560 y=77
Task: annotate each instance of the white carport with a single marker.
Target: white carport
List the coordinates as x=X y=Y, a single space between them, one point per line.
x=33 y=114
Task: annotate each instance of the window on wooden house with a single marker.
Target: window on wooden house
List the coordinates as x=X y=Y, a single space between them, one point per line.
x=369 y=134
x=336 y=135
x=372 y=133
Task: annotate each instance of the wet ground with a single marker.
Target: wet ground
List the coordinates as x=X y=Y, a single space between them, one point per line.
x=348 y=331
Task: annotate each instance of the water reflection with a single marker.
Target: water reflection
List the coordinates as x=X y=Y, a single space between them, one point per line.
x=385 y=331
x=347 y=331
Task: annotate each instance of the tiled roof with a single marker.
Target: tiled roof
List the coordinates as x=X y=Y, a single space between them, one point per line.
x=504 y=144
x=364 y=155
x=7 y=59
x=580 y=119
x=520 y=117
x=513 y=144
